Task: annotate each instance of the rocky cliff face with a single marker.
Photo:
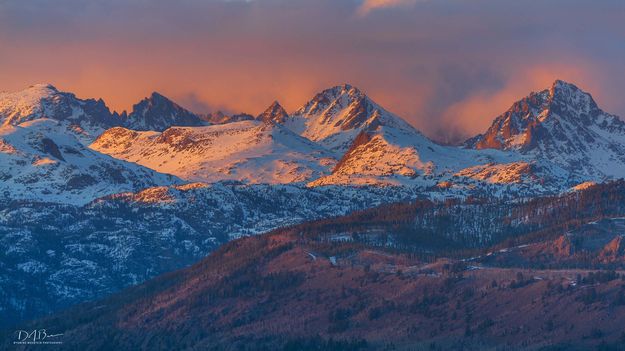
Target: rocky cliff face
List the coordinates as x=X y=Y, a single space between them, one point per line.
x=159 y=113
x=274 y=113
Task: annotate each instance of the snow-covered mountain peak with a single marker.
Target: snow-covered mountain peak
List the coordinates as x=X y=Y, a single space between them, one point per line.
x=340 y=96
x=20 y=106
x=560 y=88
x=335 y=116
x=45 y=88
x=566 y=97
x=274 y=113
x=523 y=125
x=87 y=117
x=564 y=125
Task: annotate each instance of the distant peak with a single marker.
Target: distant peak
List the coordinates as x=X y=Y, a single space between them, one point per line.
x=219 y=113
x=568 y=94
x=275 y=112
x=158 y=112
x=47 y=86
x=560 y=82
x=523 y=124
x=560 y=85
x=275 y=104
x=158 y=99
x=343 y=88
x=157 y=96
x=343 y=94
x=346 y=86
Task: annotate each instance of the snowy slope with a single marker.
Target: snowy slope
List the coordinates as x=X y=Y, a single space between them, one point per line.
x=564 y=126
x=249 y=151
x=40 y=160
x=86 y=118
x=159 y=113
x=394 y=156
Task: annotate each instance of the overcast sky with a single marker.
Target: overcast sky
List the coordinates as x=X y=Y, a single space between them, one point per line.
x=446 y=66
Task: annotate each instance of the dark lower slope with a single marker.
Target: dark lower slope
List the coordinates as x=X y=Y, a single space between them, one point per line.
x=376 y=280
x=459 y=227
x=52 y=256
x=598 y=244
x=279 y=291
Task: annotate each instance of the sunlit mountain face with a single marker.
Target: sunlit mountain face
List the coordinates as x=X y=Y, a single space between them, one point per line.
x=312 y=175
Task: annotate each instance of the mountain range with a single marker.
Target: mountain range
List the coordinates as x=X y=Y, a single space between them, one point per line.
x=546 y=142
x=94 y=201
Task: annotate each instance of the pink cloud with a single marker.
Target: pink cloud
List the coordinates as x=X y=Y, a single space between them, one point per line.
x=371 y=5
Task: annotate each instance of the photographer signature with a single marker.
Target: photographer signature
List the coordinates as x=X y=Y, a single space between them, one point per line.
x=36 y=337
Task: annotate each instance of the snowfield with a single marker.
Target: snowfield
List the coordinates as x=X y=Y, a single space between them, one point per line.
x=42 y=161
x=248 y=151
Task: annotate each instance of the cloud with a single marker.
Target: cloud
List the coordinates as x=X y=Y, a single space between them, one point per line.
x=370 y=5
